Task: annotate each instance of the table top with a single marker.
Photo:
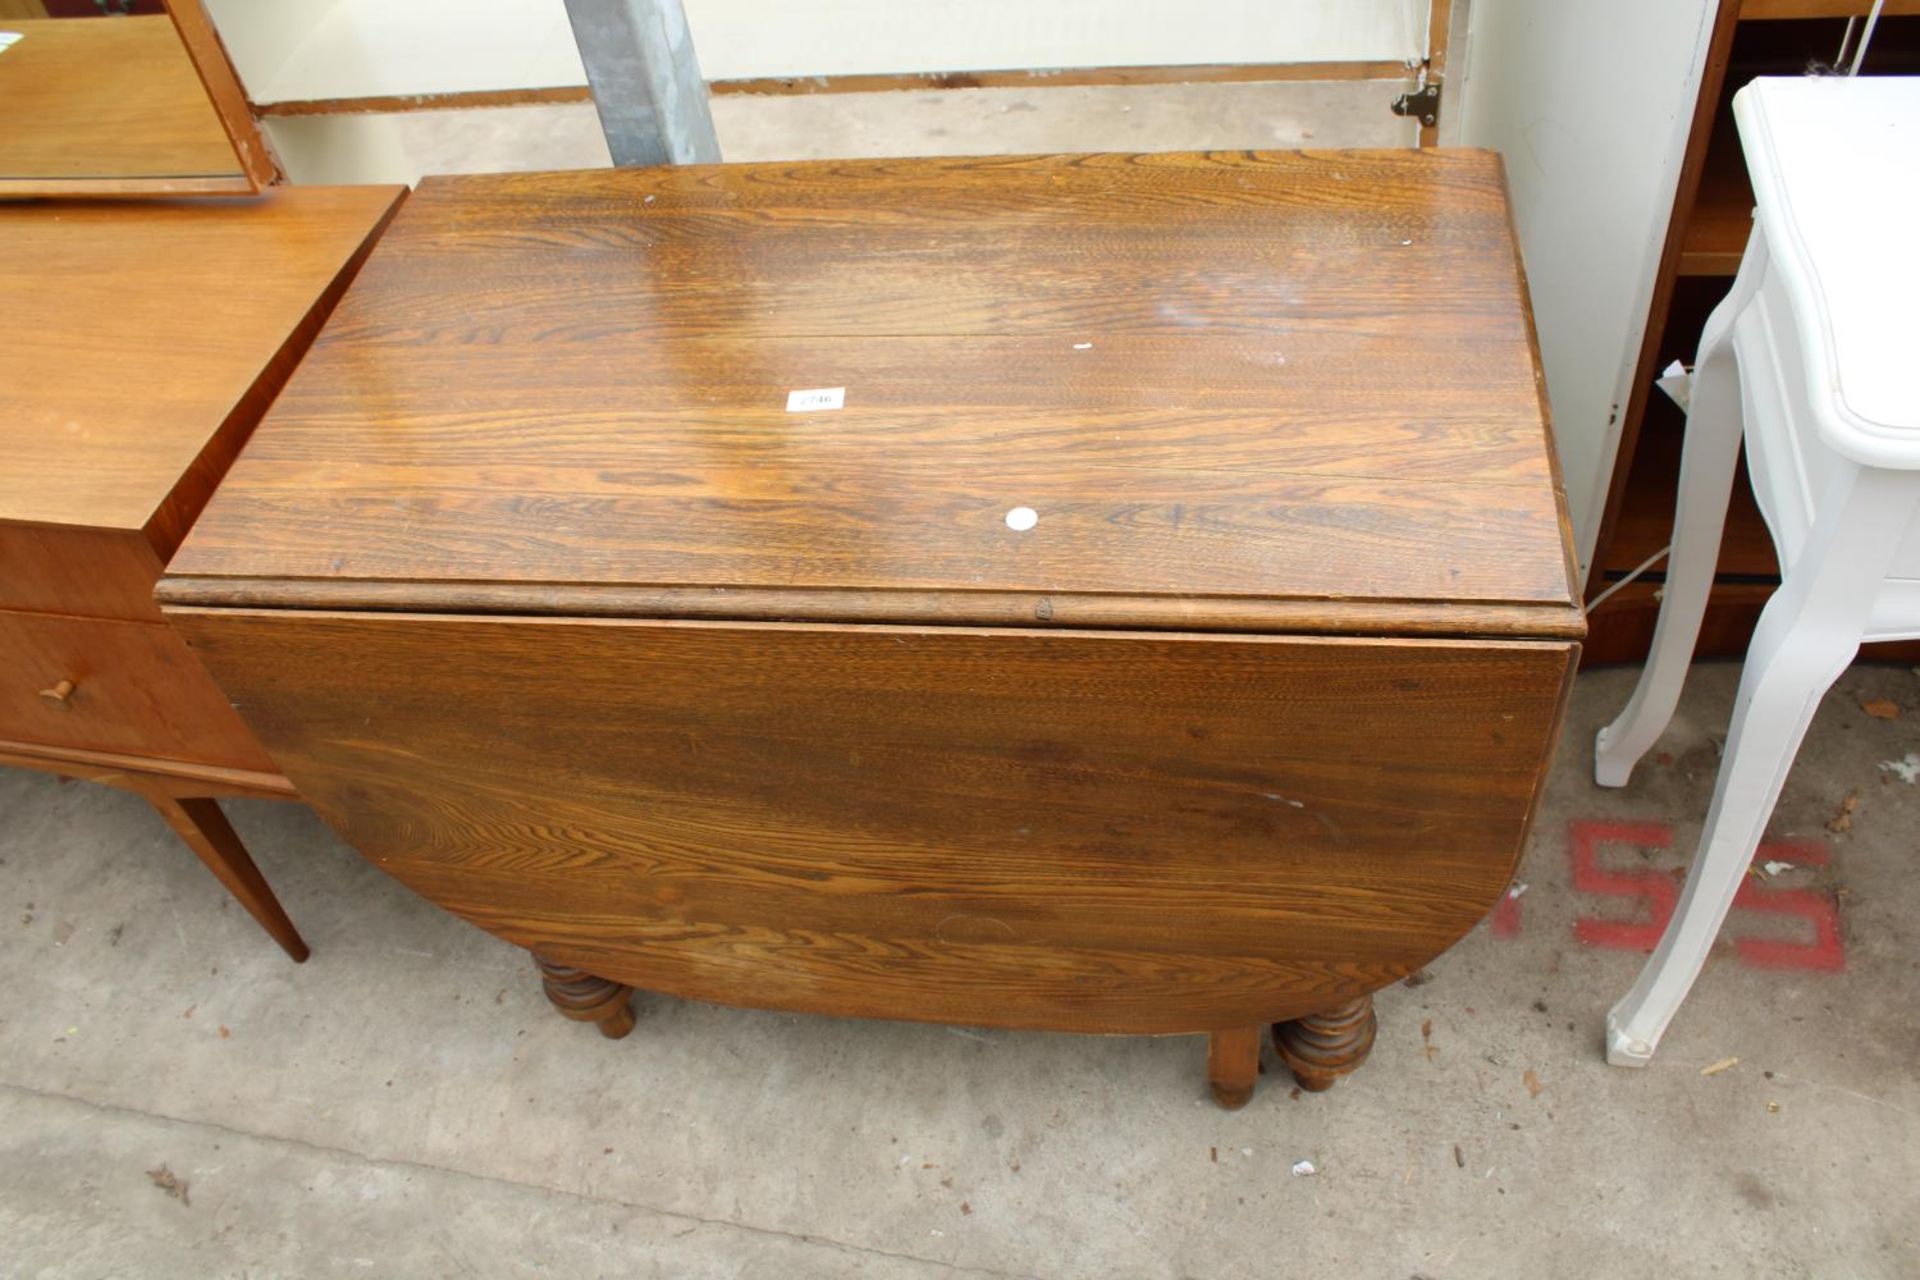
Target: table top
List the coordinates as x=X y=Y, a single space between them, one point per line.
x=1836 y=173
x=106 y=98
x=138 y=337
x=1242 y=390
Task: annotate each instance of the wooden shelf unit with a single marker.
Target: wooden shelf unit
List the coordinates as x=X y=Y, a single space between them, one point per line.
x=1712 y=218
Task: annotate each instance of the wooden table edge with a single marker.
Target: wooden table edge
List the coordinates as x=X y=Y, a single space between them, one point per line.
x=146 y=774
x=1545 y=619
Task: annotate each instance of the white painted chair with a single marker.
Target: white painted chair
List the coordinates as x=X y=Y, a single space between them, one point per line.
x=1815 y=355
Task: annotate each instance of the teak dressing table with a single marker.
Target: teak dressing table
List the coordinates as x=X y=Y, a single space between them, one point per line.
x=139 y=343
x=1160 y=626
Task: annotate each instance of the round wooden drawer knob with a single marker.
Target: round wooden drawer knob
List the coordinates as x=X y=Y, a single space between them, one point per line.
x=59 y=693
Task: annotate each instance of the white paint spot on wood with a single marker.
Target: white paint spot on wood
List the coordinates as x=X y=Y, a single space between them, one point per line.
x=1021 y=519
x=1083 y=346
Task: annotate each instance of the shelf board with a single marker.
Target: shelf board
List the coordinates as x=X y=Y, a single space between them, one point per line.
x=1765 y=10
x=1646 y=514
x=1621 y=630
x=1722 y=214
x=1716 y=236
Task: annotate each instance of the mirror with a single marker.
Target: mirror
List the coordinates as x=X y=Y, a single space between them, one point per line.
x=122 y=97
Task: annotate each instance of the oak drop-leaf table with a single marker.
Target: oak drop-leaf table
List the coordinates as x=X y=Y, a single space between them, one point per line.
x=1101 y=593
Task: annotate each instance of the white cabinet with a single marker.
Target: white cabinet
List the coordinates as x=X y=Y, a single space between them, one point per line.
x=1591 y=103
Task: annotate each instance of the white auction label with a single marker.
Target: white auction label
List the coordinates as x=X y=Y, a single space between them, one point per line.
x=816 y=398
x=8 y=39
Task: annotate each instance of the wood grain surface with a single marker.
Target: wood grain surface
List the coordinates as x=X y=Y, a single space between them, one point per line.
x=1217 y=378
x=94 y=573
x=136 y=689
x=849 y=604
x=1077 y=830
x=145 y=774
x=108 y=99
x=139 y=342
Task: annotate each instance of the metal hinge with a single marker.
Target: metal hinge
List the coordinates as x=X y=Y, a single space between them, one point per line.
x=1423 y=104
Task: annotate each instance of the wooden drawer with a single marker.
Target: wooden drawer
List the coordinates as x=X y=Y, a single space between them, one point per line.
x=93 y=573
x=1079 y=830
x=136 y=690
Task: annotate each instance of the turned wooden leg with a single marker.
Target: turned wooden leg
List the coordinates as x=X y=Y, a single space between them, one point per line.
x=1322 y=1047
x=1233 y=1065
x=585 y=998
x=205 y=830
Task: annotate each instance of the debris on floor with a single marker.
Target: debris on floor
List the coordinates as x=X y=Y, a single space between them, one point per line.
x=171 y=1183
x=1881 y=708
x=1304 y=1169
x=1842 y=819
x=1533 y=1082
x=1677 y=383
x=1716 y=1068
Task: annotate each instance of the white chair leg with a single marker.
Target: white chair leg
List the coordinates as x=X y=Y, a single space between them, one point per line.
x=1807 y=635
x=1707 y=462
x=1778 y=694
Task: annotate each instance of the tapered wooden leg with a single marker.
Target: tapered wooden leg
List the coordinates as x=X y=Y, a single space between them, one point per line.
x=206 y=831
x=1322 y=1047
x=1233 y=1065
x=585 y=998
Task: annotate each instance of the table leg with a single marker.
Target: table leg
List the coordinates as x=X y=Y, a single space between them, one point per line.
x=206 y=831
x=1233 y=1065
x=1322 y=1047
x=585 y=998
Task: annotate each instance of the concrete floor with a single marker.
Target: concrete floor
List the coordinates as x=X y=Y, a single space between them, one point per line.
x=406 y=1104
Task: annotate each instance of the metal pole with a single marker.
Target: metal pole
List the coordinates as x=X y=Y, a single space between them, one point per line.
x=646 y=81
